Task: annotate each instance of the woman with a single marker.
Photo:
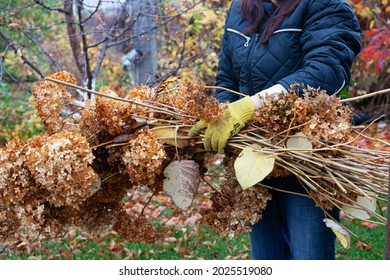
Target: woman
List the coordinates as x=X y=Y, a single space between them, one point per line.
x=268 y=46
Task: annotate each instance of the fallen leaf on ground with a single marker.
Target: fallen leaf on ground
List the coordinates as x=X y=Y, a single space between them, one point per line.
x=368 y=224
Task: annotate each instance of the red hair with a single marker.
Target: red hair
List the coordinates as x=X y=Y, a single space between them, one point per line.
x=253 y=10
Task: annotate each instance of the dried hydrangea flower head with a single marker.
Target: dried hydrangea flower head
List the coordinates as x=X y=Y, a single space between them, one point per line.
x=15 y=179
x=328 y=120
x=194 y=99
x=9 y=223
x=104 y=118
x=277 y=113
x=138 y=230
x=143 y=158
x=49 y=171
x=19 y=196
x=50 y=98
x=139 y=93
x=60 y=165
x=234 y=210
x=110 y=112
x=317 y=115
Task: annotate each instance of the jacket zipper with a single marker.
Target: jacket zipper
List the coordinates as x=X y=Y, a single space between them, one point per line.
x=247 y=38
x=288 y=30
x=340 y=89
x=251 y=91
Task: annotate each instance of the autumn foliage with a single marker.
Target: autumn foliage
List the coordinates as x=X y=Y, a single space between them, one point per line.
x=370 y=69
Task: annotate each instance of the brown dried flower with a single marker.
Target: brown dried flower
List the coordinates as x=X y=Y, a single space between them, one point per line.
x=193 y=99
x=138 y=230
x=143 y=158
x=60 y=164
x=15 y=179
x=50 y=98
x=234 y=210
x=140 y=93
x=321 y=117
x=9 y=223
x=104 y=118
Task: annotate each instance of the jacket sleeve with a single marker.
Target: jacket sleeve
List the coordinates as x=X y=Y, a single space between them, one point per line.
x=330 y=41
x=225 y=76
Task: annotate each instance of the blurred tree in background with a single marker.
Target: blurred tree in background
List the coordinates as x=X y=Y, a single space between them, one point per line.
x=116 y=43
x=371 y=70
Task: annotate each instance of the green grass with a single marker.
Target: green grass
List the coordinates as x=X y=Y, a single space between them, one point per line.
x=369 y=244
x=206 y=244
x=369 y=241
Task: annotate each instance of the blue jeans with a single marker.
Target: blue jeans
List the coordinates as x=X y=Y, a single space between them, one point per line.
x=292 y=227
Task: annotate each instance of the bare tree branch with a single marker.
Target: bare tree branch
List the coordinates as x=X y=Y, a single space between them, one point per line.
x=1 y=61
x=154 y=27
x=92 y=13
x=48 y=7
x=114 y=42
x=16 y=81
x=102 y=54
x=104 y=48
x=183 y=63
x=118 y=33
x=23 y=57
x=17 y=8
x=120 y=20
x=51 y=59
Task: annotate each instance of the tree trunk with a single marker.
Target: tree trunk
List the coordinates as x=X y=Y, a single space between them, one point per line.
x=74 y=38
x=144 y=13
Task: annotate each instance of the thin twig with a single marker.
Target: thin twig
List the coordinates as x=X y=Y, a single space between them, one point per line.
x=229 y=90
x=115 y=97
x=146 y=204
x=372 y=139
x=102 y=144
x=209 y=184
x=368 y=95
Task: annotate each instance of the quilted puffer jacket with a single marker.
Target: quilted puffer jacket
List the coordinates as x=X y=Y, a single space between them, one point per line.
x=314 y=46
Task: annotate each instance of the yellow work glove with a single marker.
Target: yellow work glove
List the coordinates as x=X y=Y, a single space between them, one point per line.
x=232 y=120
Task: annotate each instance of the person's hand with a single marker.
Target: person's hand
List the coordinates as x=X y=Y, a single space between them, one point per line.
x=259 y=98
x=232 y=120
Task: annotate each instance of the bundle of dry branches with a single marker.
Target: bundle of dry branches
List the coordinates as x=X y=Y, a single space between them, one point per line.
x=141 y=139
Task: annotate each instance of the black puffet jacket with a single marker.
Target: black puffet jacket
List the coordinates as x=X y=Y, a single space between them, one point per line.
x=314 y=46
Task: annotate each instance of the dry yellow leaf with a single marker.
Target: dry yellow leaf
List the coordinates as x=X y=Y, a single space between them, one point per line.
x=299 y=141
x=169 y=135
x=364 y=206
x=341 y=234
x=372 y=24
x=252 y=167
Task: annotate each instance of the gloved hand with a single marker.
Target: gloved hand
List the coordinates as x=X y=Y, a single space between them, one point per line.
x=273 y=91
x=232 y=120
